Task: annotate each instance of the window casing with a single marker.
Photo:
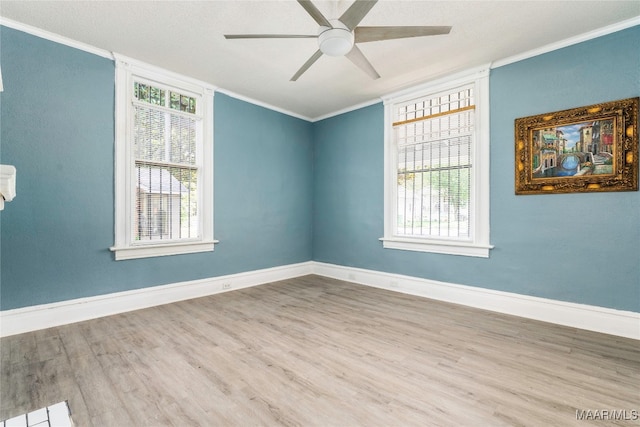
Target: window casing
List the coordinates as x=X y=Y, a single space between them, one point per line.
x=437 y=166
x=164 y=163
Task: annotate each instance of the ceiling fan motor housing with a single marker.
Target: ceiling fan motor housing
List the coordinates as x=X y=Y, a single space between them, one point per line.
x=336 y=41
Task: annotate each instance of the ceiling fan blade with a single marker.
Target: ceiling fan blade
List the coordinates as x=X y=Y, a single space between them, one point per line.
x=315 y=13
x=269 y=36
x=352 y=17
x=357 y=57
x=306 y=65
x=372 y=34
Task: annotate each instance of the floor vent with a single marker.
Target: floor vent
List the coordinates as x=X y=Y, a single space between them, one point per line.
x=58 y=415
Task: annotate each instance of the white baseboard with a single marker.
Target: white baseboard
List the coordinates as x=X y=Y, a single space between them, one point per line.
x=593 y=318
x=582 y=316
x=44 y=316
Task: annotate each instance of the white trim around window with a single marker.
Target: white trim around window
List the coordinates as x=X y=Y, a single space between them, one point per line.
x=477 y=243
x=126 y=245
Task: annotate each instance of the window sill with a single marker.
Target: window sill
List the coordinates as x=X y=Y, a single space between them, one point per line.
x=147 y=251
x=435 y=246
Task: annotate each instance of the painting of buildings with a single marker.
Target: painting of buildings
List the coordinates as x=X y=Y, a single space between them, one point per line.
x=584 y=148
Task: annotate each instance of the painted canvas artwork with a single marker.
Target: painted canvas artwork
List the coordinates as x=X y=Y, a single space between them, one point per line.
x=578 y=149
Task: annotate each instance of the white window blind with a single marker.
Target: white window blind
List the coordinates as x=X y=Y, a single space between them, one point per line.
x=166 y=169
x=434 y=140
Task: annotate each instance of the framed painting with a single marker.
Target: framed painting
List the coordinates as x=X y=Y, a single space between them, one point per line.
x=585 y=149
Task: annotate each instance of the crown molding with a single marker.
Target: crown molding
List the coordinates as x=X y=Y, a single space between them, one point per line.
x=619 y=26
x=346 y=110
x=57 y=38
x=263 y=104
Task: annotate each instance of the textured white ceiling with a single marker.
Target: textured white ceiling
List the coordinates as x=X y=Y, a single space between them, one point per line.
x=187 y=37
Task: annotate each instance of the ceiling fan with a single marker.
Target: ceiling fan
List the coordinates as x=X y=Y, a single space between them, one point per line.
x=338 y=37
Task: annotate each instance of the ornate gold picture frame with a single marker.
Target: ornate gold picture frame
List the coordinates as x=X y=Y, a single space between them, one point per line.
x=593 y=148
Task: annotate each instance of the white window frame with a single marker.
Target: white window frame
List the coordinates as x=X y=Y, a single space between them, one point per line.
x=478 y=245
x=125 y=247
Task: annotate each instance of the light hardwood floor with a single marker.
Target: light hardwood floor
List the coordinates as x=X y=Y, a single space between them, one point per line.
x=314 y=351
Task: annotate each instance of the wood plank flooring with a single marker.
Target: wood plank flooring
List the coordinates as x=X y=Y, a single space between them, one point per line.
x=314 y=351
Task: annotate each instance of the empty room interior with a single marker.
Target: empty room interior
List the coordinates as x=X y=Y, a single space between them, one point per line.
x=319 y=213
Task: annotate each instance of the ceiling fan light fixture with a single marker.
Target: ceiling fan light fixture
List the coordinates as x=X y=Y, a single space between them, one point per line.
x=336 y=41
x=338 y=37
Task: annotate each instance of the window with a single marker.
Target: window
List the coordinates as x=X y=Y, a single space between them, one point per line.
x=437 y=167
x=164 y=162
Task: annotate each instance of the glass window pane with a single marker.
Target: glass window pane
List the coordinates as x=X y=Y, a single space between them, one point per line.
x=434 y=163
x=174 y=102
x=183 y=140
x=149 y=134
x=147 y=93
x=166 y=203
x=182 y=102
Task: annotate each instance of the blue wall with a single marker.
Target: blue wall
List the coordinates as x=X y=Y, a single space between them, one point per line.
x=57 y=129
x=582 y=248
x=289 y=191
